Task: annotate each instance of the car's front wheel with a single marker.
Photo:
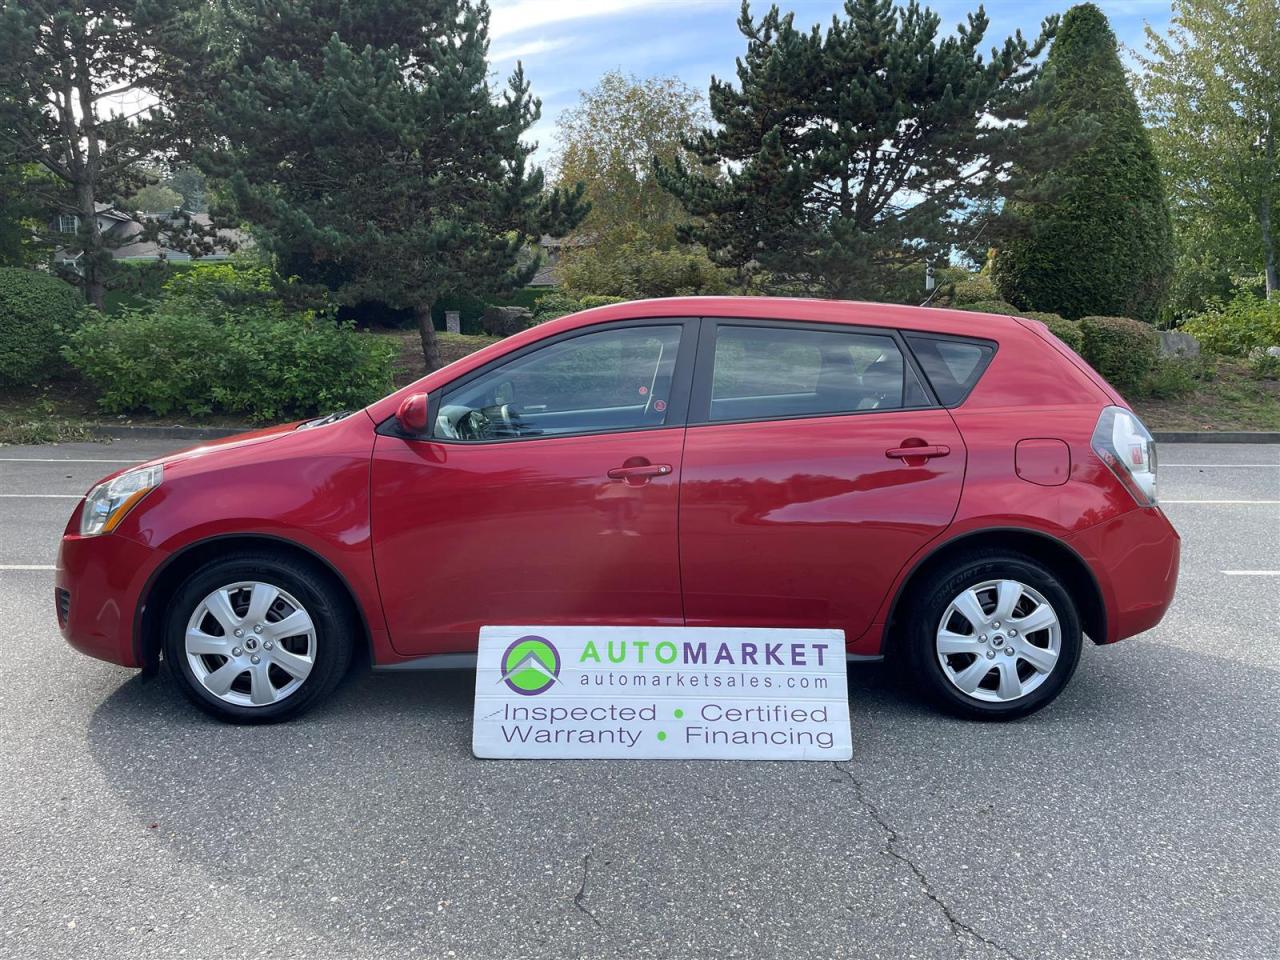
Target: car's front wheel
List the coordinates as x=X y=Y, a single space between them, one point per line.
x=994 y=636
x=257 y=639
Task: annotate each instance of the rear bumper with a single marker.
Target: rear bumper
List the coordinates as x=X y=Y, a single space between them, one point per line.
x=97 y=587
x=1135 y=559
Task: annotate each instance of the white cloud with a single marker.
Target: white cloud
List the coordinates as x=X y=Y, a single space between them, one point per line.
x=520 y=15
x=522 y=51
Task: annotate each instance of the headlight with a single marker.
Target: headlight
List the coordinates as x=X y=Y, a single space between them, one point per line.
x=108 y=503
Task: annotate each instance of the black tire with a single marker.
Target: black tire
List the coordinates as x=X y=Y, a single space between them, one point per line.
x=328 y=608
x=929 y=602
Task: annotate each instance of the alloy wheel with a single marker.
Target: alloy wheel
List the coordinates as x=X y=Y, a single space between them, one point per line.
x=998 y=641
x=250 y=643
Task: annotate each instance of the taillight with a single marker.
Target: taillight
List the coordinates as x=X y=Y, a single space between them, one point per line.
x=1129 y=450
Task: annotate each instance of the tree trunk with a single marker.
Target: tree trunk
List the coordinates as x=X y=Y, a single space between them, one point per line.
x=95 y=290
x=1268 y=247
x=427 y=331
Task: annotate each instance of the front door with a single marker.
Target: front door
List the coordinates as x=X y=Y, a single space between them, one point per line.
x=800 y=500
x=547 y=492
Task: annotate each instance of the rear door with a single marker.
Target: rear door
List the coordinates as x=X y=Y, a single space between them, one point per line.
x=816 y=463
x=547 y=493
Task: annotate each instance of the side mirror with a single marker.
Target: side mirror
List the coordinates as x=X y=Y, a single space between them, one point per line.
x=412 y=415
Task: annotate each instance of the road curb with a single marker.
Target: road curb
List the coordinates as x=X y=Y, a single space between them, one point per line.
x=138 y=431
x=1216 y=436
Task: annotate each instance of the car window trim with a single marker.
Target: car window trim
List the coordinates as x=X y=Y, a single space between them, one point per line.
x=956 y=338
x=704 y=372
x=677 y=404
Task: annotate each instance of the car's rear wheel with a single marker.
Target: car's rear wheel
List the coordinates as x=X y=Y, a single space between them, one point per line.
x=993 y=636
x=257 y=639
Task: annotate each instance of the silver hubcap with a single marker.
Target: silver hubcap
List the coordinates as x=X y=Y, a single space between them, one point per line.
x=250 y=644
x=998 y=641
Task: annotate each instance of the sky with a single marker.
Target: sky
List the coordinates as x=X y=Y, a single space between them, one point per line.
x=566 y=45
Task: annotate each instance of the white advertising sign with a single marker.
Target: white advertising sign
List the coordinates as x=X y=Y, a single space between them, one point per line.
x=661 y=693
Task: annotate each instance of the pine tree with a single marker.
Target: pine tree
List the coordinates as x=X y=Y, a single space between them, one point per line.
x=842 y=157
x=1102 y=245
x=362 y=142
x=64 y=69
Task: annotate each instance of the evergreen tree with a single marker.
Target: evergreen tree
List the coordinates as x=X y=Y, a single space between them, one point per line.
x=842 y=157
x=362 y=142
x=1102 y=244
x=66 y=71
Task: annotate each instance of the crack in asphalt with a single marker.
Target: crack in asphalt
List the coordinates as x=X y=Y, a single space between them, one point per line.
x=582 y=893
x=958 y=926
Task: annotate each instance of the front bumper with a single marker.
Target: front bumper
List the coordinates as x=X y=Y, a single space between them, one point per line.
x=97 y=588
x=1135 y=559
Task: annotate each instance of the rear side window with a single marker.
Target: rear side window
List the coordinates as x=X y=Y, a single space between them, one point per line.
x=952 y=366
x=771 y=372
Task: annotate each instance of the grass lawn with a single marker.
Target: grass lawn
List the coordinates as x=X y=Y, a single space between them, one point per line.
x=1235 y=399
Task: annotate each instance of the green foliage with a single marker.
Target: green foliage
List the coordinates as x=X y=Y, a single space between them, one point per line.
x=369 y=152
x=553 y=305
x=1124 y=351
x=1101 y=241
x=155 y=198
x=37 y=312
x=638 y=268
x=192 y=356
x=1211 y=86
x=971 y=288
x=1238 y=327
x=839 y=153
x=1068 y=331
x=993 y=306
x=1170 y=379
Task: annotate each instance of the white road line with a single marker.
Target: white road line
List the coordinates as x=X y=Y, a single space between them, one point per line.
x=27 y=566
x=1270 y=466
x=1251 y=573
x=1164 y=501
x=59 y=460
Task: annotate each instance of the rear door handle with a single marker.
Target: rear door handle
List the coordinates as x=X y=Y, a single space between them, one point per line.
x=640 y=472
x=924 y=453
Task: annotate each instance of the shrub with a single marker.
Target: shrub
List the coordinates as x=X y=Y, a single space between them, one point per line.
x=552 y=305
x=37 y=312
x=1122 y=350
x=1062 y=328
x=973 y=288
x=258 y=367
x=993 y=306
x=640 y=267
x=1170 y=378
x=1239 y=327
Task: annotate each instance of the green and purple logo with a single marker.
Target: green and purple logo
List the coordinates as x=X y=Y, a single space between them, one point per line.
x=531 y=666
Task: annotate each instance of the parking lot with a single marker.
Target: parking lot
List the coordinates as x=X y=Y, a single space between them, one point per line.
x=1138 y=816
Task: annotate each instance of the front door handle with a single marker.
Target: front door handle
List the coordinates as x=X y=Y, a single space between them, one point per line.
x=640 y=471
x=923 y=452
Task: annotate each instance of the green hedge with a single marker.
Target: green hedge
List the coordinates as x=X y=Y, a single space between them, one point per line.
x=37 y=312
x=1122 y=350
x=1062 y=328
x=992 y=306
x=259 y=367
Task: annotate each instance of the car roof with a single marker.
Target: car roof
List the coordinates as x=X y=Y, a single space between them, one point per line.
x=929 y=319
x=797 y=309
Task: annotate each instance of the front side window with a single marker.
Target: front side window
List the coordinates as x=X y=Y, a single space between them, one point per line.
x=771 y=372
x=604 y=381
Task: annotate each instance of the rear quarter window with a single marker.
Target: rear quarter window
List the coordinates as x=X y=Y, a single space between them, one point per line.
x=952 y=367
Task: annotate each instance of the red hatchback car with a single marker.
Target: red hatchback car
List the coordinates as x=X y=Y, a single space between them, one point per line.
x=959 y=487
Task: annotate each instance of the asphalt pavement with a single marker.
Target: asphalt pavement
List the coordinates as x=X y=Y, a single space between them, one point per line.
x=1137 y=817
